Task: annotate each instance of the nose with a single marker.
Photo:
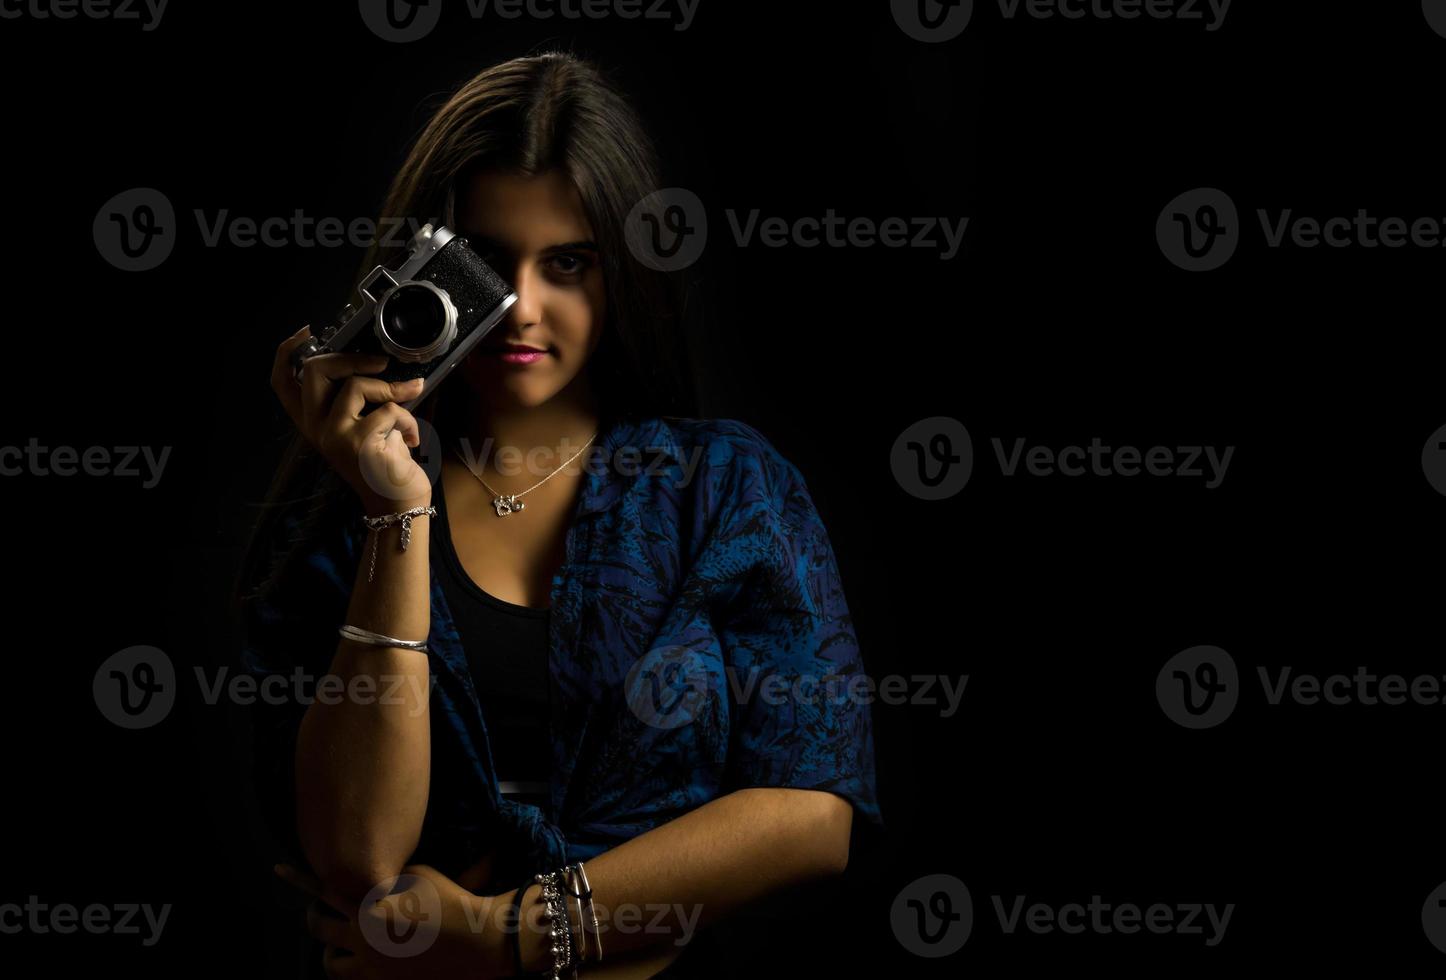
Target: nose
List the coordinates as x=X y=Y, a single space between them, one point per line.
x=527 y=311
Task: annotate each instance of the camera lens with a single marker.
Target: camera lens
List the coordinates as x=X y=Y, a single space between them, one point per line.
x=414 y=317
x=416 y=321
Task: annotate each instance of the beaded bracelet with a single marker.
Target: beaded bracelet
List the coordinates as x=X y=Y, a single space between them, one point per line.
x=561 y=928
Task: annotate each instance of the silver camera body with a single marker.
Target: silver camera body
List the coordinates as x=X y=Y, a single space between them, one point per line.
x=426 y=315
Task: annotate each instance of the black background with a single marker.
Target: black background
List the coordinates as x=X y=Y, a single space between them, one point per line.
x=1060 y=777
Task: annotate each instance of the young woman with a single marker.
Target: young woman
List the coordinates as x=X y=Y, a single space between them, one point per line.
x=642 y=665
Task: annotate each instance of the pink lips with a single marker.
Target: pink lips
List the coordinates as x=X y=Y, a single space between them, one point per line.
x=517 y=354
x=517 y=357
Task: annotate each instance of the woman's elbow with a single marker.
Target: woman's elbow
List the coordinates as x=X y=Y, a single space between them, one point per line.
x=836 y=827
x=350 y=868
x=826 y=821
x=350 y=879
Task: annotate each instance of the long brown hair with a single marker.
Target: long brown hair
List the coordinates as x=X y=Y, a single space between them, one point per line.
x=529 y=115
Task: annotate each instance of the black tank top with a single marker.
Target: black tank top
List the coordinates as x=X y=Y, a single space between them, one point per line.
x=507 y=649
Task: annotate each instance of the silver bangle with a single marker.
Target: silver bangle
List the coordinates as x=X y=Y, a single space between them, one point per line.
x=360 y=635
x=569 y=891
x=582 y=891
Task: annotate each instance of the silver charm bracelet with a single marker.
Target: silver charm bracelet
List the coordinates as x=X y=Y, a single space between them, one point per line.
x=404 y=518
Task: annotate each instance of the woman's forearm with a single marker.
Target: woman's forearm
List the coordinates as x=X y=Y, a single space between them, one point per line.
x=363 y=760
x=663 y=885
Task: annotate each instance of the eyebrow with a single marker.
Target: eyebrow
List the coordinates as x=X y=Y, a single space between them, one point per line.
x=578 y=246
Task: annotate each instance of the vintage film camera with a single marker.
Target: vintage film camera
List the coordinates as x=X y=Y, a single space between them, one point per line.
x=426 y=315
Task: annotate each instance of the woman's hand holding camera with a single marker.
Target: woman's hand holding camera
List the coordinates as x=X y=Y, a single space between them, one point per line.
x=371 y=452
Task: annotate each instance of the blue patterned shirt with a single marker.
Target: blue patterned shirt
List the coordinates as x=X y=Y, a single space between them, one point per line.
x=700 y=644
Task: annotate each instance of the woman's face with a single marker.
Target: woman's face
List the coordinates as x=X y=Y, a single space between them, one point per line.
x=533 y=231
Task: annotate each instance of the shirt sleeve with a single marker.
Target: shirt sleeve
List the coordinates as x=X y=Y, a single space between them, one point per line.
x=288 y=638
x=800 y=709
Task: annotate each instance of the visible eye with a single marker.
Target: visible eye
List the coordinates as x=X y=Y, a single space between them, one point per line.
x=570 y=263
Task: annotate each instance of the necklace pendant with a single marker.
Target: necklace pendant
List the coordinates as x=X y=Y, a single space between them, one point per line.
x=506 y=504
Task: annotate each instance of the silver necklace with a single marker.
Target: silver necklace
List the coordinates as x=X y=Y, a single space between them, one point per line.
x=506 y=503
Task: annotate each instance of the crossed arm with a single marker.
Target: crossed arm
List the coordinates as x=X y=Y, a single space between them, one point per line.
x=658 y=888
x=702 y=865
x=363 y=782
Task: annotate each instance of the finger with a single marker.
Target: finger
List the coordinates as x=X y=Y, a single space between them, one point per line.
x=284 y=349
x=358 y=391
x=281 y=365
x=381 y=423
x=319 y=375
x=283 y=379
x=324 y=924
x=340 y=964
x=299 y=879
